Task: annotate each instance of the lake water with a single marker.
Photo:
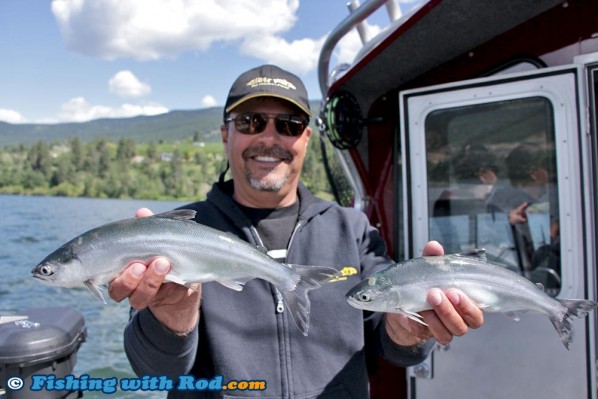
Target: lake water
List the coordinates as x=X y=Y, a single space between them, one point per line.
x=31 y=228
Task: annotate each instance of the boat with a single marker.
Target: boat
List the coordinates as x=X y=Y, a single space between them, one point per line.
x=474 y=123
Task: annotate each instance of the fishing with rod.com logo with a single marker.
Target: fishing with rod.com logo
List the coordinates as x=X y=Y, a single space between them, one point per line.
x=50 y=382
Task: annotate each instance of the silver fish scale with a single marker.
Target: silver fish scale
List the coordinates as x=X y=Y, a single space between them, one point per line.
x=490 y=285
x=404 y=287
x=195 y=254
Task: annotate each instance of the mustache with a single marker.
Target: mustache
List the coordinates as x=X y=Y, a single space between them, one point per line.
x=261 y=150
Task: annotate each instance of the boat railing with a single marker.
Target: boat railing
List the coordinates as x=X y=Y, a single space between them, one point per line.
x=359 y=13
x=355 y=20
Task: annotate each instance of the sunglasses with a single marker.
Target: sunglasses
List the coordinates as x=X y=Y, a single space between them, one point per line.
x=256 y=122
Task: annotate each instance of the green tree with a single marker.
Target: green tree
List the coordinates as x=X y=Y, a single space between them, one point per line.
x=39 y=158
x=77 y=153
x=92 y=161
x=125 y=149
x=152 y=151
x=63 y=173
x=104 y=157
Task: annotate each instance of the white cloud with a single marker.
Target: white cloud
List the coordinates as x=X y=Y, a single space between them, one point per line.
x=208 y=101
x=153 y=29
x=79 y=110
x=125 y=84
x=11 y=116
x=299 y=56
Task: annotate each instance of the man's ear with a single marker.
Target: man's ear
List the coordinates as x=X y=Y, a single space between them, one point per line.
x=308 y=133
x=224 y=134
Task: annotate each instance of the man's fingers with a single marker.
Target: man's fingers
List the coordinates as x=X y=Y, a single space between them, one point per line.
x=467 y=309
x=433 y=248
x=127 y=282
x=436 y=328
x=447 y=321
x=143 y=212
x=150 y=283
x=123 y=285
x=453 y=313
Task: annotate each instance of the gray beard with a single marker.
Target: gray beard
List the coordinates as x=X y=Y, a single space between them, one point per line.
x=266 y=185
x=262 y=184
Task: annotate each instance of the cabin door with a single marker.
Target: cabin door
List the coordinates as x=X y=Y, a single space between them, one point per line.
x=499 y=163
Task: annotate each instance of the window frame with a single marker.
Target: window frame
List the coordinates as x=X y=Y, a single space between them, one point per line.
x=559 y=86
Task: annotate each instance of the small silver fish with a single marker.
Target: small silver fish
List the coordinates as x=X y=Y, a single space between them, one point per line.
x=197 y=253
x=403 y=288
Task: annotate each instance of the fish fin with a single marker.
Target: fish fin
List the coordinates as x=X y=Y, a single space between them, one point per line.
x=477 y=253
x=232 y=284
x=574 y=308
x=174 y=279
x=296 y=299
x=180 y=214
x=177 y=280
x=513 y=315
x=411 y=315
x=193 y=286
x=95 y=290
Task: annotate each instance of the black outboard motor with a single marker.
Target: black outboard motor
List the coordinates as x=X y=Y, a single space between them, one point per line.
x=40 y=341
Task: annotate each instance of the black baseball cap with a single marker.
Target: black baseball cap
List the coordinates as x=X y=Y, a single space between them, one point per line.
x=267 y=81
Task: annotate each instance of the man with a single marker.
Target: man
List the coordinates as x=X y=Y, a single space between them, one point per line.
x=249 y=335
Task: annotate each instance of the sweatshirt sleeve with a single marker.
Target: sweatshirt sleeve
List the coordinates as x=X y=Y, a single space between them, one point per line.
x=152 y=349
x=373 y=258
x=402 y=356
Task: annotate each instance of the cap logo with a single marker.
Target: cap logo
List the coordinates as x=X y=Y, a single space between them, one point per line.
x=264 y=81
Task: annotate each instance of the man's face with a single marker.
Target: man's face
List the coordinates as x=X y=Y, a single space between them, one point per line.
x=267 y=161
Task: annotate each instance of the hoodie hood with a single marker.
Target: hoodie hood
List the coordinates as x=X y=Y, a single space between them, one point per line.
x=221 y=196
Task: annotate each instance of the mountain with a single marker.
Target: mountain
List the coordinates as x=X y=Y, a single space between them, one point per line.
x=170 y=126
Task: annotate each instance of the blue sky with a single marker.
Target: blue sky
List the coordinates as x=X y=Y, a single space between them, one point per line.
x=77 y=60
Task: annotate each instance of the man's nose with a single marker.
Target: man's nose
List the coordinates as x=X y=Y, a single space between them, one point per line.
x=270 y=131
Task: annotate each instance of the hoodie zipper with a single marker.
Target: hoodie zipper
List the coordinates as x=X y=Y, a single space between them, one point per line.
x=280 y=301
x=279 y=305
x=280 y=308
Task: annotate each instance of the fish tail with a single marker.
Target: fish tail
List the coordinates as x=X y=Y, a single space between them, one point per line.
x=575 y=308
x=296 y=299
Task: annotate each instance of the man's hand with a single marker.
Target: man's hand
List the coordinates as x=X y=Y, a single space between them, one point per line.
x=518 y=214
x=176 y=307
x=452 y=314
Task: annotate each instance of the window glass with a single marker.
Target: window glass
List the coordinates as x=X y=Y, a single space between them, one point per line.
x=492 y=183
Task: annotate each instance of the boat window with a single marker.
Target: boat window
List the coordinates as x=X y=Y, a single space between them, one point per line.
x=492 y=184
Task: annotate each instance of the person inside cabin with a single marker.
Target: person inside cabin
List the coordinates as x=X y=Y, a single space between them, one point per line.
x=476 y=166
x=531 y=192
x=248 y=335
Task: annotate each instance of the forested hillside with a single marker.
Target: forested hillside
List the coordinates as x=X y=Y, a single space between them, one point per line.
x=182 y=169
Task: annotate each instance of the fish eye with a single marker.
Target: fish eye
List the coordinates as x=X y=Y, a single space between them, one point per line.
x=364 y=297
x=46 y=270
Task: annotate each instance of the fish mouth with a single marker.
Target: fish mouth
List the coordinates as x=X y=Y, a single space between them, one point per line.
x=40 y=278
x=37 y=276
x=356 y=303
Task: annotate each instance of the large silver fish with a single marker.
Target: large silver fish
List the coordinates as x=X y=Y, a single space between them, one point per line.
x=198 y=254
x=403 y=288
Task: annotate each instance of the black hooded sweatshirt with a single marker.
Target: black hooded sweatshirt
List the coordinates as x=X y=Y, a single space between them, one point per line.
x=244 y=336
